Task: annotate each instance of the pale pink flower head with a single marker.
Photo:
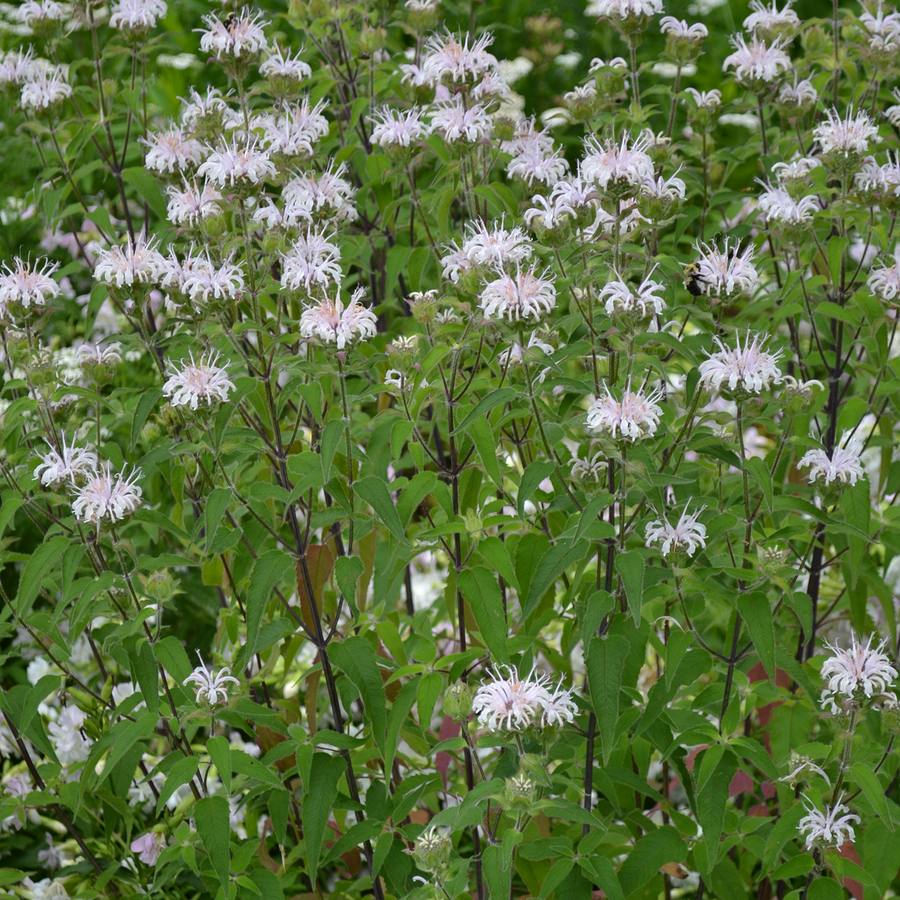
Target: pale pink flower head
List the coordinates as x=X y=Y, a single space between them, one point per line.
x=743 y=371
x=449 y=59
x=333 y=323
x=884 y=281
x=629 y=16
x=238 y=164
x=204 y=279
x=212 y=685
x=459 y=122
x=16 y=65
x=519 y=296
x=283 y=71
x=172 y=151
x=622 y=299
x=723 y=274
x=131 y=263
x=827 y=830
x=486 y=247
x=107 y=496
x=844 y=140
x=757 y=64
x=27 y=284
x=149 y=847
x=843 y=467
x=240 y=36
x=632 y=418
x=617 y=168
x=535 y=165
x=397 y=128
x=514 y=704
x=68 y=463
x=44 y=89
x=295 y=133
x=137 y=16
x=198 y=382
x=687 y=536
x=782 y=208
x=771 y=23
x=857 y=675
x=313 y=262
x=322 y=196
x=189 y=205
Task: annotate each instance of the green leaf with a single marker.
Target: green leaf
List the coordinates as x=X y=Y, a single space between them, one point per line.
x=496 y=553
x=173 y=658
x=712 y=800
x=356 y=658
x=11 y=876
x=836 y=247
x=651 y=852
x=825 y=888
x=430 y=687
x=147 y=189
x=220 y=753
x=497 y=872
x=269 y=569
x=180 y=773
x=479 y=586
x=244 y=764
x=493 y=399
x=374 y=491
x=630 y=566
x=785 y=829
x=397 y=719
x=212 y=817
x=146 y=404
x=552 y=564
x=483 y=437
x=318 y=798
x=38 y=566
x=762 y=476
x=531 y=478
x=864 y=776
x=215 y=507
x=331 y=437
x=605 y=666
x=757 y=614
x=880 y=852
x=347 y=570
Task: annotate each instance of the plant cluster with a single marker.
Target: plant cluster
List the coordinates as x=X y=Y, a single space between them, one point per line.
x=404 y=496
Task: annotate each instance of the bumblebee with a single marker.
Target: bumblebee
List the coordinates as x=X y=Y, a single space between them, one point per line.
x=231 y=21
x=693 y=280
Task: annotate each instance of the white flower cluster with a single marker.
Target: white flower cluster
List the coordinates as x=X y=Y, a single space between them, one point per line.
x=515 y=704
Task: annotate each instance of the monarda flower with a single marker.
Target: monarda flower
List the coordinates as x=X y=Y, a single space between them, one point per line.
x=621 y=299
x=486 y=247
x=333 y=323
x=884 y=281
x=189 y=205
x=727 y=272
x=43 y=89
x=687 y=536
x=237 y=165
x=633 y=417
x=204 y=279
x=827 y=830
x=845 y=140
x=523 y=295
x=844 y=466
x=313 y=262
x=743 y=370
x=27 y=284
x=514 y=704
x=857 y=675
x=770 y=23
x=618 y=168
x=172 y=151
x=212 y=685
x=239 y=36
x=756 y=65
x=107 y=496
x=136 y=16
x=68 y=463
x=203 y=382
x=131 y=263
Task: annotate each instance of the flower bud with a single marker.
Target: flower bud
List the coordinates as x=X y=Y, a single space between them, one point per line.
x=432 y=849
x=458 y=701
x=520 y=791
